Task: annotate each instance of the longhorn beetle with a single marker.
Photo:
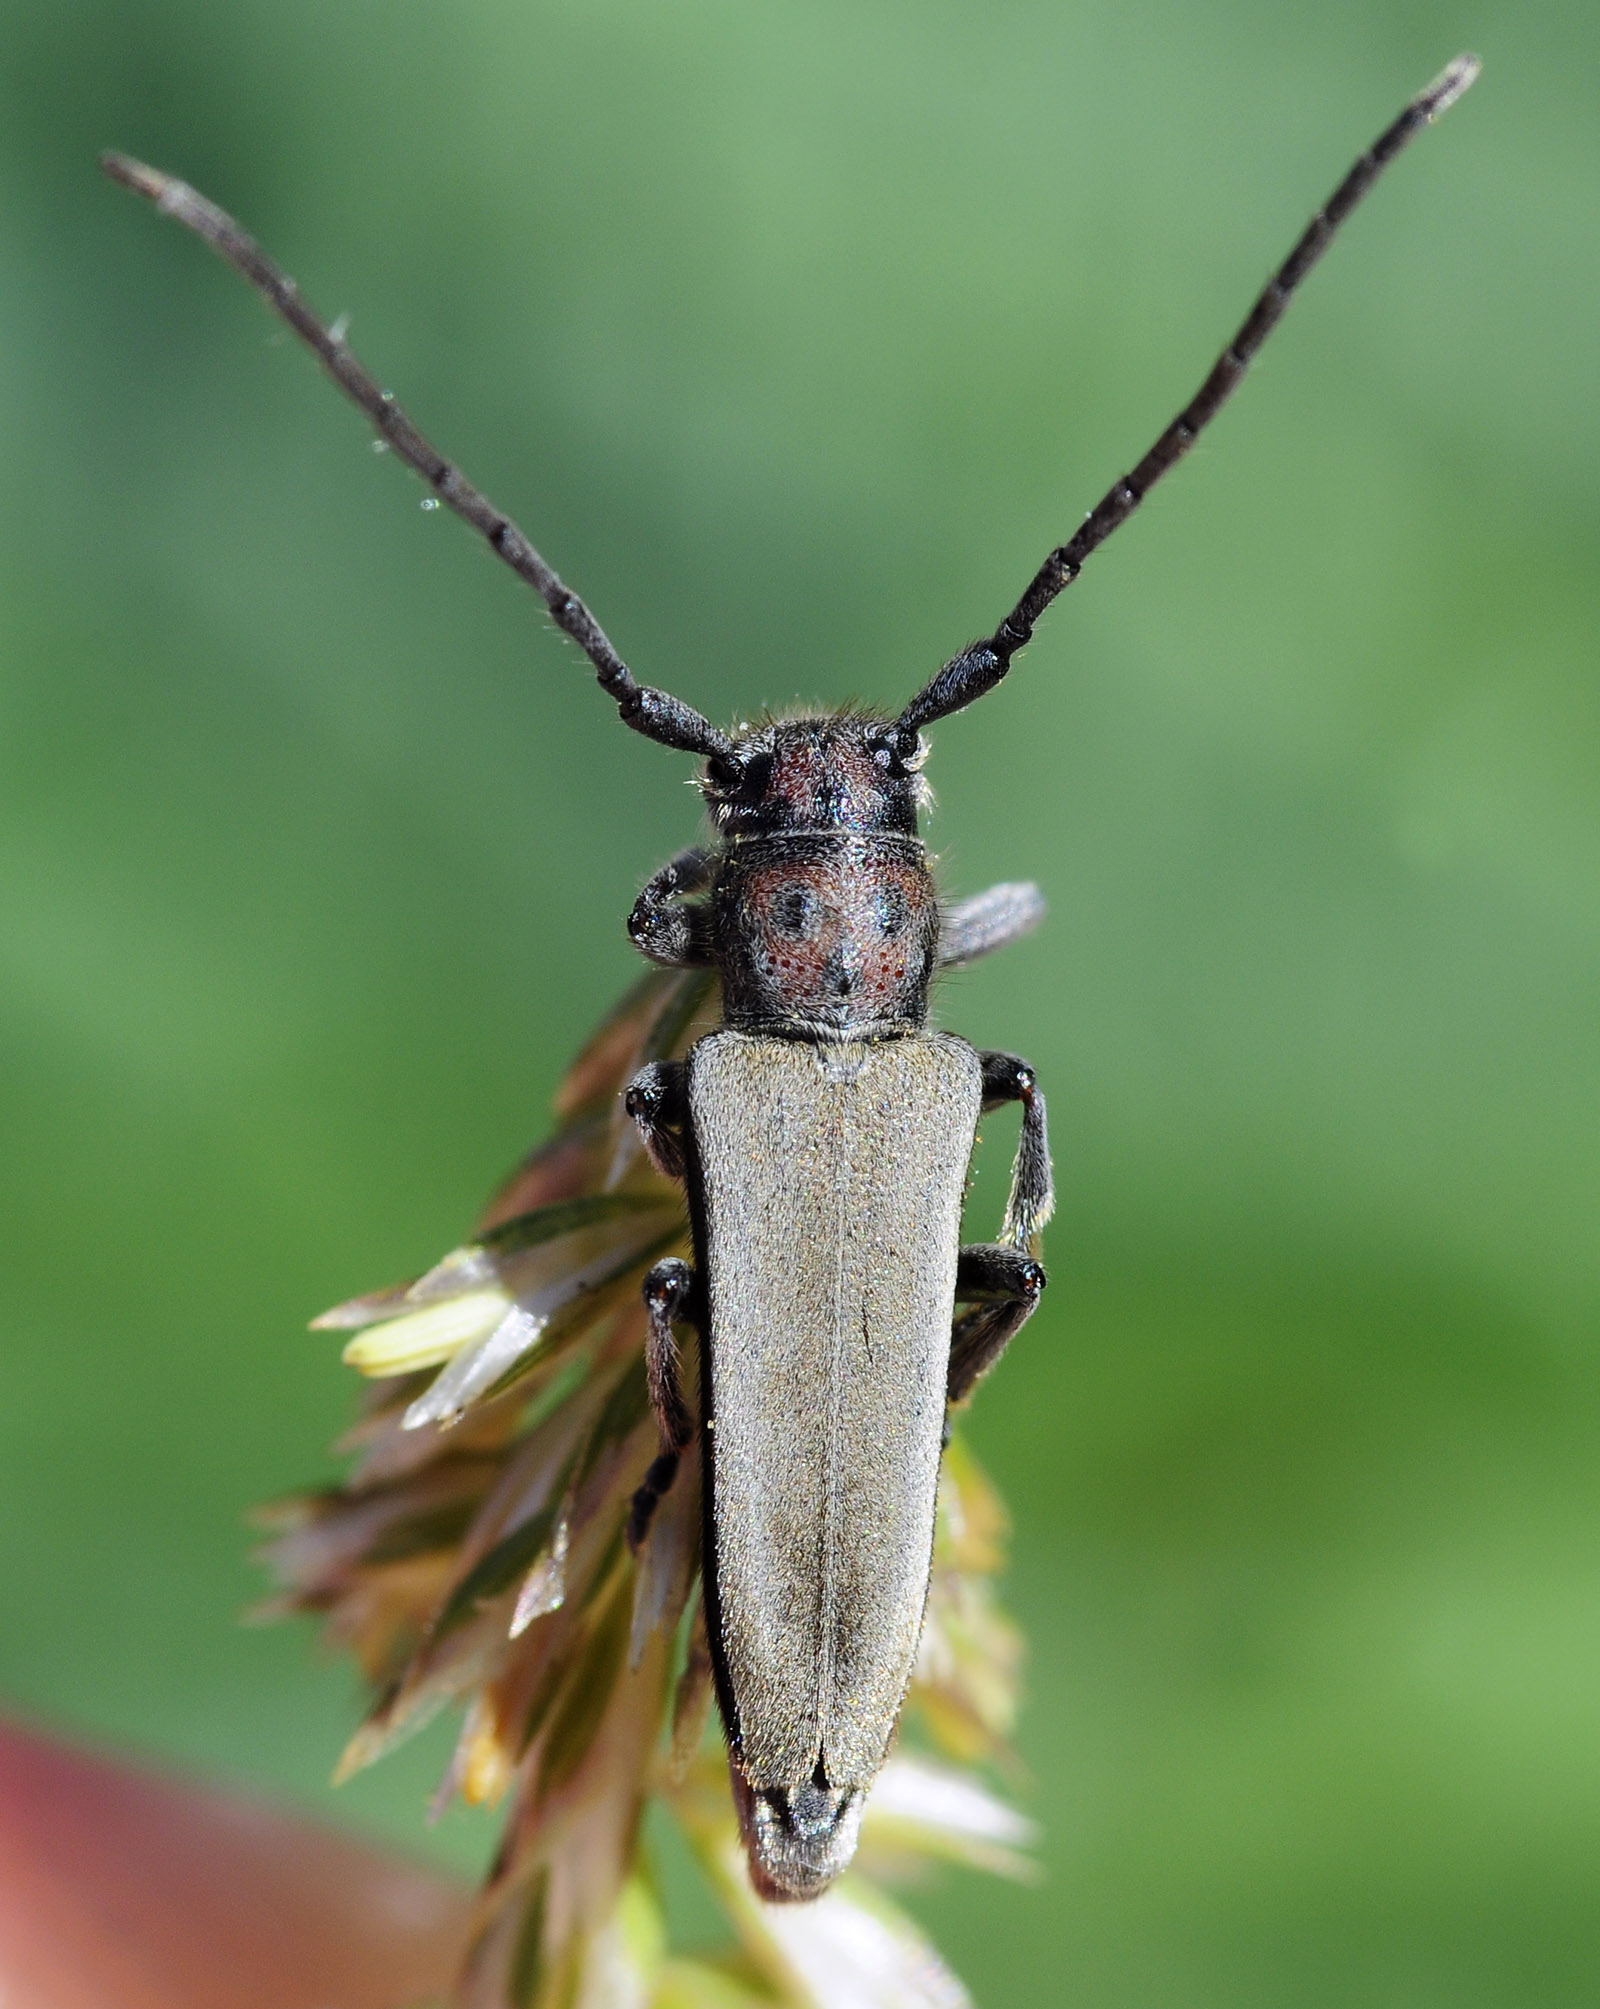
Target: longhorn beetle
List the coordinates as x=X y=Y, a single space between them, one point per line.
x=823 y=1133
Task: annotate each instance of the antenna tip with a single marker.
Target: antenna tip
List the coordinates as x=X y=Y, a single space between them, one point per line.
x=1454 y=79
x=149 y=182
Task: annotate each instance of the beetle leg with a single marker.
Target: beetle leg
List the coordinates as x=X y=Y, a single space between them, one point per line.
x=990 y=920
x=1033 y=1195
x=670 y=1291
x=1003 y=1285
x=656 y=1101
x=665 y=930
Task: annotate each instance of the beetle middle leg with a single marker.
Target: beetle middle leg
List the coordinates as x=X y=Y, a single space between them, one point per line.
x=1001 y=1281
x=1003 y=1285
x=1033 y=1194
x=671 y=1292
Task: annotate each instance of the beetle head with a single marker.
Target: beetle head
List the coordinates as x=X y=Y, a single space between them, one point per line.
x=844 y=771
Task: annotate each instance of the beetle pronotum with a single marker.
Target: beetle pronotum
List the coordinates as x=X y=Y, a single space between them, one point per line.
x=822 y=1134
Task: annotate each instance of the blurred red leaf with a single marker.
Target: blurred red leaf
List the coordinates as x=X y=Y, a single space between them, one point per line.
x=121 y=1889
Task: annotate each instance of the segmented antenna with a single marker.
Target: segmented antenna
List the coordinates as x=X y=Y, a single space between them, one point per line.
x=656 y=714
x=979 y=668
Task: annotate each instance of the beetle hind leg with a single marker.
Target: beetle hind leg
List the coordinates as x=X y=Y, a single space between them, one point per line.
x=1002 y=1285
x=671 y=1292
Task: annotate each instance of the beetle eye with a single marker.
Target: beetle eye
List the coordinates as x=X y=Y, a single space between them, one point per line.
x=894 y=750
x=725 y=772
x=793 y=909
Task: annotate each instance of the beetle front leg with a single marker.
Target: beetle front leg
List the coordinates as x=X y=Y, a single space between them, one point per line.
x=1033 y=1194
x=671 y=1292
x=657 y=1101
x=1003 y=1285
x=665 y=930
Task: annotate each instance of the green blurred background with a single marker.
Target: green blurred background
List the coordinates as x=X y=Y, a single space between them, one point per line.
x=796 y=334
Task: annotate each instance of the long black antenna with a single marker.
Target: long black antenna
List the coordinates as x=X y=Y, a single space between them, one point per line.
x=979 y=668
x=656 y=714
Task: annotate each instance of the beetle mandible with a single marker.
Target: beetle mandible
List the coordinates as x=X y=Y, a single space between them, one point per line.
x=822 y=1133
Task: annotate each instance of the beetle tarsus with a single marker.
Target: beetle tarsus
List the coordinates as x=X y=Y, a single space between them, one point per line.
x=656 y=1101
x=662 y=927
x=1002 y=1285
x=642 y=1508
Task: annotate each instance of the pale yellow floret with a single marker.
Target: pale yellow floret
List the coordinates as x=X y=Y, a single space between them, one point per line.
x=428 y=1337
